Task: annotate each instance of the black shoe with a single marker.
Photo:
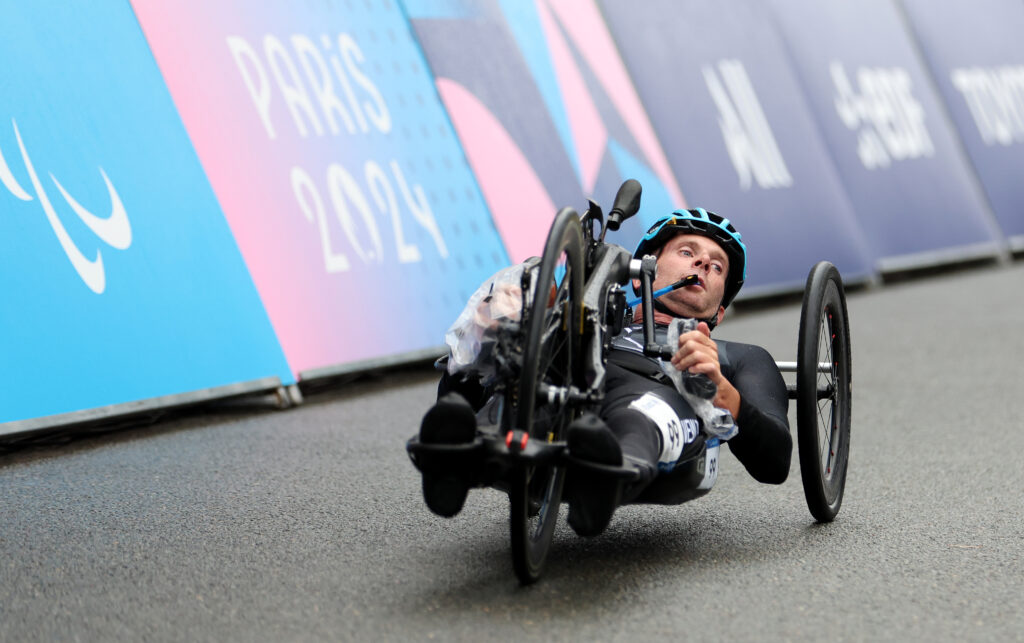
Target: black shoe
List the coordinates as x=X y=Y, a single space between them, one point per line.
x=590 y=440
x=450 y=421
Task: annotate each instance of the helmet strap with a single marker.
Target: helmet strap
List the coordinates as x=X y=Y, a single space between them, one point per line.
x=662 y=308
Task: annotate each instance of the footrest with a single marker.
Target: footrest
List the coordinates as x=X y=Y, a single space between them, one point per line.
x=623 y=472
x=445 y=458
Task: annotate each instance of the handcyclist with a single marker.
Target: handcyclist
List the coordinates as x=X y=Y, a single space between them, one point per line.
x=644 y=422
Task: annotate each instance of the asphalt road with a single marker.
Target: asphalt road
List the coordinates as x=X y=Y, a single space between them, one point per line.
x=243 y=523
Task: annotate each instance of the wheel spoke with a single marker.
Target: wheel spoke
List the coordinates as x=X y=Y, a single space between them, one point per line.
x=554 y=339
x=549 y=348
x=826 y=448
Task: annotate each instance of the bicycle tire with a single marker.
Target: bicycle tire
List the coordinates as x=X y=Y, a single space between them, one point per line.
x=824 y=394
x=550 y=354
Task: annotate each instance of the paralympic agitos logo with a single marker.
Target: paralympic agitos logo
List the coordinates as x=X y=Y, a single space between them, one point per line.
x=114 y=230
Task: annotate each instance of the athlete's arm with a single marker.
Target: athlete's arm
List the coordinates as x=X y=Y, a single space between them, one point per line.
x=764 y=444
x=752 y=389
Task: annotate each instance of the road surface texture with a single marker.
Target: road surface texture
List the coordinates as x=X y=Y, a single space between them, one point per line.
x=243 y=523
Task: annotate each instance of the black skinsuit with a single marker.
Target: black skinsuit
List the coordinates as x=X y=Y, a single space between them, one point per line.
x=763 y=444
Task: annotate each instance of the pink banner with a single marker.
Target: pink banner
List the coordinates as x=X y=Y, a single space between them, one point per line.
x=320 y=129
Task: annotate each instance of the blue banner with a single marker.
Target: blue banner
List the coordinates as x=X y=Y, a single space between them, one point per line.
x=976 y=54
x=122 y=281
x=914 y=191
x=718 y=86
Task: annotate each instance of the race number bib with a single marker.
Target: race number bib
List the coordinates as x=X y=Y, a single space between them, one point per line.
x=710 y=464
x=676 y=432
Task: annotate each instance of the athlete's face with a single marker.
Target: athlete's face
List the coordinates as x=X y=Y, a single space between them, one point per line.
x=693 y=254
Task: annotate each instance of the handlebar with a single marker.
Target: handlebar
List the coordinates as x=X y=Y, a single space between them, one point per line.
x=682 y=283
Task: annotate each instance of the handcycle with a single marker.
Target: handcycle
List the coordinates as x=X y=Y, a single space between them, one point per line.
x=550 y=367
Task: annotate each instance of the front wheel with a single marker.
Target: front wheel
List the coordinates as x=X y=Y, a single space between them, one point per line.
x=824 y=390
x=550 y=361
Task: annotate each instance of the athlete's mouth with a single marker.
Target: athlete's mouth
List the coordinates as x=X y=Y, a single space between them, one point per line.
x=695 y=280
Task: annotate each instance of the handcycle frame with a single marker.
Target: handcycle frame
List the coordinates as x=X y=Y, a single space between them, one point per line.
x=550 y=368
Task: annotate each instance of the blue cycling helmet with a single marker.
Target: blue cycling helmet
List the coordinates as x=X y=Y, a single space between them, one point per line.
x=707 y=224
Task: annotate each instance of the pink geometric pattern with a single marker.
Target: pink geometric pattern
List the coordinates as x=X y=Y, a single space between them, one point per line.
x=588 y=131
x=519 y=203
x=585 y=26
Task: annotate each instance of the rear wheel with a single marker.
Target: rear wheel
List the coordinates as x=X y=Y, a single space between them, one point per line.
x=550 y=361
x=824 y=390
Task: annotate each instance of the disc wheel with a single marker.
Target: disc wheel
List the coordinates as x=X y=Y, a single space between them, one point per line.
x=824 y=390
x=550 y=355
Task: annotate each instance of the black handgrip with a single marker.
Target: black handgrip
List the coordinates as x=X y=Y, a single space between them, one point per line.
x=627 y=203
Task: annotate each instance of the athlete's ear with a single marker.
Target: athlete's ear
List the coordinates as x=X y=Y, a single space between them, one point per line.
x=721 y=313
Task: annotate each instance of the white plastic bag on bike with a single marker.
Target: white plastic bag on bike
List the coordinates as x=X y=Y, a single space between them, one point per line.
x=718 y=422
x=499 y=299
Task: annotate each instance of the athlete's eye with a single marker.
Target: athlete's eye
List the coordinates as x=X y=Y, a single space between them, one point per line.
x=685 y=252
x=717 y=267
